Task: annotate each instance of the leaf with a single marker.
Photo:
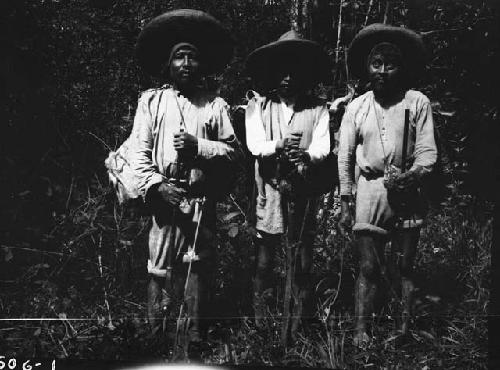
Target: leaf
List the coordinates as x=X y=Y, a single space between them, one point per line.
x=390 y=339
x=8 y=253
x=37 y=332
x=233 y=231
x=446 y=114
x=426 y=335
x=451 y=340
x=230 y=216
x=433 y=299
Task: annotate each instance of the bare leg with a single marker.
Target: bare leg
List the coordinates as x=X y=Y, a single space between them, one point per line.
x=301 y=287
x=404 y=246
x=302 y=226
x=154 y=303
x=265 y=253
x=371 y=256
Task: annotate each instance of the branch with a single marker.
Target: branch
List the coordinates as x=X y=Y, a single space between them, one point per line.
x=368 y=12
x=106 y=302
x=467 y=28
x=339 y=29
x=386 y=11
x=294 y=15
x=237 y=206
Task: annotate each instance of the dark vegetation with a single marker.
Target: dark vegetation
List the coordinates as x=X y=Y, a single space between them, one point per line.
x=69 y=86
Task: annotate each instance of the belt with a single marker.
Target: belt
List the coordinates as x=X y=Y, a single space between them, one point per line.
x=372 y=176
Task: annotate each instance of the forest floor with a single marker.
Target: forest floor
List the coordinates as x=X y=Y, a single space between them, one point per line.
x=88 y=300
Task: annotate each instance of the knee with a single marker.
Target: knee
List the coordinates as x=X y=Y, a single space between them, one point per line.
x=406 y=269
x=303 y=281
x=369 y=270
x=264 y=262
x=265 y=254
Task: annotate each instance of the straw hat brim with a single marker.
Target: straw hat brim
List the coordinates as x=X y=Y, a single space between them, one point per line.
x=267 y=60
x=411 y=44
x=159 y=36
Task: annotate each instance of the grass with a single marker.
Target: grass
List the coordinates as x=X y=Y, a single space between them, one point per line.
x=92 y=269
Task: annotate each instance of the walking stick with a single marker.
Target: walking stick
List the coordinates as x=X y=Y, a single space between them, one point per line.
x=190 y=257
x=170 y=258
x=292 y=253
x=405 y=314
x=405 y=141
x=171 y=255
x=285 y=328
x=166 y=304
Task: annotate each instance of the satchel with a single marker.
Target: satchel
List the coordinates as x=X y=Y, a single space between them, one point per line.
x=121 y=175
x=321 y=178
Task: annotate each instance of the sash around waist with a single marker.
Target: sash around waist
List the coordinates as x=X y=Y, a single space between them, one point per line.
x=372 y=175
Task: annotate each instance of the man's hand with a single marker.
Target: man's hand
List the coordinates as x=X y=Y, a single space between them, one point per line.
x=403 y=182
x=298 y=156
x=171 y=194
x=290 y=142
x=185 y=142
x=293 y=140
x=346 y=220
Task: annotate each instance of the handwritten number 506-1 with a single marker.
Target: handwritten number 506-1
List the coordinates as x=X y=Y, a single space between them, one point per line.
x=11 y=364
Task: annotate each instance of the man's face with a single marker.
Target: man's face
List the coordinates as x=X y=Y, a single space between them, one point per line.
x=384 y=71
x=290 y=83
x=185 y=67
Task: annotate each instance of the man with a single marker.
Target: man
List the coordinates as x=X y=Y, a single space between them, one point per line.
x=181 y=136
x=372 y=145
x=287 y=130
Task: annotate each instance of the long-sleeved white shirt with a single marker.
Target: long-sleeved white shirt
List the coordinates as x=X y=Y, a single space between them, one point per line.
x=260 y=147
x=159 y=116
x=371 y=142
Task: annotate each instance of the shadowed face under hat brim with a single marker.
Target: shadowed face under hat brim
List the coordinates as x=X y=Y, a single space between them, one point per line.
x=307 y=55
x=184 y=25
x=410 y=43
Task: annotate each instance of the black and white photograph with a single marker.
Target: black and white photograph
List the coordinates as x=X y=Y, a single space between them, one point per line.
x=249 y=183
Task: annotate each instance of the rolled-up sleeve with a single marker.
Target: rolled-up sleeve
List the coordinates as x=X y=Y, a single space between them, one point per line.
x=346 y=155
x=320 y=142
x=425 y=144
x=142 y=147
x=226 y=143
x=255 y=132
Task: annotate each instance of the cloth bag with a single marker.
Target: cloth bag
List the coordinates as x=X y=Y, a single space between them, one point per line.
x=120 y=173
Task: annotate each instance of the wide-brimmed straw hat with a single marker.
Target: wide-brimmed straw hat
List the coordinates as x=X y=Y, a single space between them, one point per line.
x=409 y=42
x=308 y=55
x=161 y=34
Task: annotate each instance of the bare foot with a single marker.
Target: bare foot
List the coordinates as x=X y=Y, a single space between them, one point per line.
x=361 y=339
x=405 y=324
x=407 y=297
x=259 y=310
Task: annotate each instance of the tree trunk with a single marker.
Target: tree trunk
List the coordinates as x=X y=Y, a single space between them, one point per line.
x=414 y=13
x=370 y=5
x=299 y=16
x=339 y=30
x=386 y=11
x=294 y=15
x=306 y=19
